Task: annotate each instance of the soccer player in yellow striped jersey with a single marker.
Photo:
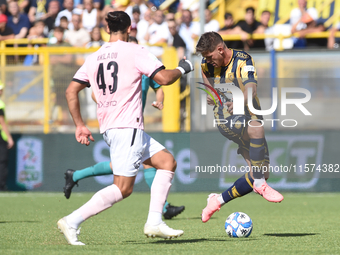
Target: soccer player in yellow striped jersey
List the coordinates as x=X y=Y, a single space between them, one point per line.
x=223 y=65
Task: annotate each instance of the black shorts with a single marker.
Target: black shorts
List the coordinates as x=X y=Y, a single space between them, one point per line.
x=233 y=128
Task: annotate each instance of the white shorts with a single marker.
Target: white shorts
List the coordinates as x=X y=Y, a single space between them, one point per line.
x=129 y=148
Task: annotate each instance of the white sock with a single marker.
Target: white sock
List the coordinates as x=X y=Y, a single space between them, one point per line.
x=220 y=199
x=154 y=218
x=159 y=192
x=100 y=201
x=258 y=182
x=74 y=219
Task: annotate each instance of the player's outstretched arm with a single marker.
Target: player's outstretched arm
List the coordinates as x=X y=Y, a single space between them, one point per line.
x=168 y=77
x=82 y=133
x=159 y=99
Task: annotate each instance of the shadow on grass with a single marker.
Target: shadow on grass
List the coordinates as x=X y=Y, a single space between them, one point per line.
x=292 y=234
x=191 y=218
x=191 y=241
x=20 y=221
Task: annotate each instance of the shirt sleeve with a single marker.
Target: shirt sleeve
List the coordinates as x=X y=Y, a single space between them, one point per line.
x=313 y=13
x=33 y=3
x=81 y=76
x=147 y=63
x=248 y=71
x=2 y=113
x=26 y=22
x=154 y=85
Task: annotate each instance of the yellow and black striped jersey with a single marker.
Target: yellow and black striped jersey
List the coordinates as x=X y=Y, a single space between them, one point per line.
x=240 y=70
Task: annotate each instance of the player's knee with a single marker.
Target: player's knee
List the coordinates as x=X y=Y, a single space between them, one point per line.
x=170 y=164
x=256 y=131
x=126 y=191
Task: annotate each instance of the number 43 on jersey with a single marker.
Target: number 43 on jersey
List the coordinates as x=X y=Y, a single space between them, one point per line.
x=101 y=78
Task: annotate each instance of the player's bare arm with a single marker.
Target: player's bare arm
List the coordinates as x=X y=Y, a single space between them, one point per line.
x=82 y=133
x=168 y=77
x=159 y=99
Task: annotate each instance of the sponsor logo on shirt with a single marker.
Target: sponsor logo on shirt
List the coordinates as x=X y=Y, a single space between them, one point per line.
x=249 y=68
x=105 y=104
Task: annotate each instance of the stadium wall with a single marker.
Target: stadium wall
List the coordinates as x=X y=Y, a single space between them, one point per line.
x=38 y=161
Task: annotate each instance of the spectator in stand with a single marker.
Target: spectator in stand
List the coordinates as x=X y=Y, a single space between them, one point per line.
x=38 y=9
x=189 y=31
x=90 y=16
x=52 y=13
x=133 y=31
x=211 y=25
x=3 y=7
x=176 y=40
x=62 y=70
x=24 y=6
x=264 y=22
x=264 y=25
x=78 y=36
x=5 y=31
x=302 y=18
x=172 y=8
x=37 y=31
x=67 y=12
x=64 y=23
x=170 y=16
x=18 y=22
x=158 y=33
x=314 y=42
x=135 y=15
x=59 y=33
x=142 y=7
x=231 y=29
x=96 y=38
x=104 y=30
x=143 y=25
x=249 y=25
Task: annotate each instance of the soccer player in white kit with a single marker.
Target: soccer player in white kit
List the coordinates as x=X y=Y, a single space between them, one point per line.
x=114 y=72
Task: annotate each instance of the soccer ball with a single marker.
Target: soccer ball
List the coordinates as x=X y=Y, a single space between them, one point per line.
x=238 y=224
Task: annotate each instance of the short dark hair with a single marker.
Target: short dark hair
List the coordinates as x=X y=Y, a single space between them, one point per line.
x=208 y=42
x=133 y=39
x=59 y=29
x=39 y=21
x=118 y=21
x=228 y=15
x=250 y=9
x=136 y=9
x=64 y=18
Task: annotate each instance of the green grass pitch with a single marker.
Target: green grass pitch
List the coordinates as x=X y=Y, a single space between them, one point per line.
x=301 y=224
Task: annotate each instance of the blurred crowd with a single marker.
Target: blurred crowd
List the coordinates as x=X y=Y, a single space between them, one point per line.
x=81 y=23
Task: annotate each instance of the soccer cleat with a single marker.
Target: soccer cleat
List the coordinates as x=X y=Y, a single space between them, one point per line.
x=69 y=232
x=162 y=231
x=212 y=206
x=172 y=211
x=268 y=193
x=69 y=183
